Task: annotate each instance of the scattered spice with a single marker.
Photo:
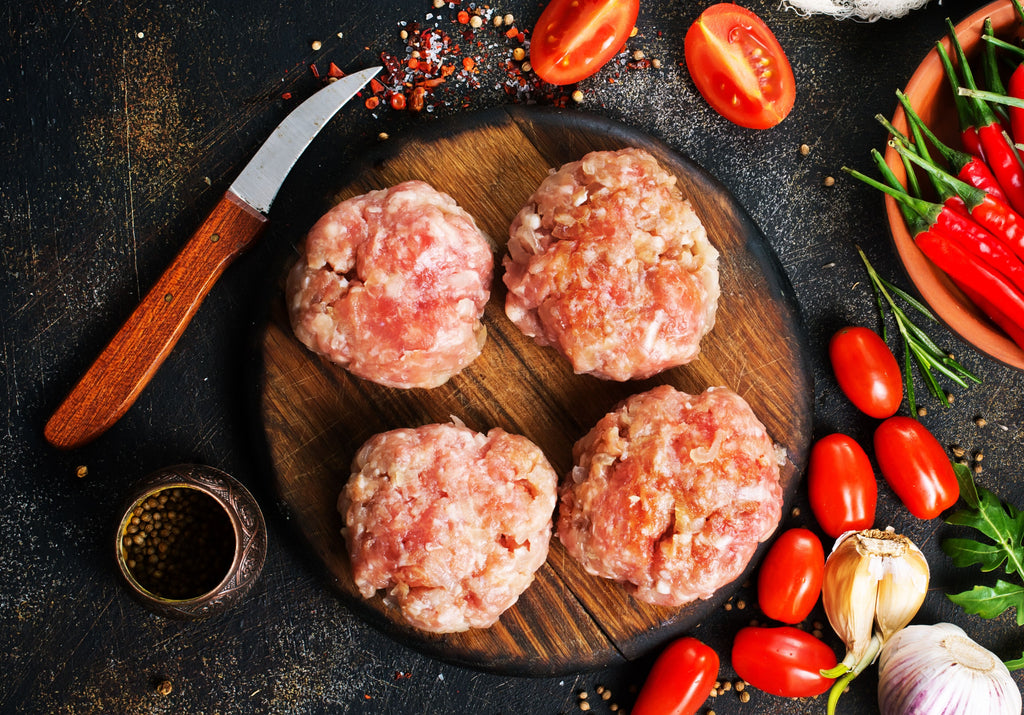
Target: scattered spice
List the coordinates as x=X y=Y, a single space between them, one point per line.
x=980 y=421
x=804 y=150
x=829 y=181
x=82 y=472
x=164 y=687
x=316 y=45
x=744 y=697
x=178 y=543
x=452 y=52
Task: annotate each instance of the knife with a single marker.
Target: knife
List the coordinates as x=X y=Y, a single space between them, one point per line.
x=125 y=366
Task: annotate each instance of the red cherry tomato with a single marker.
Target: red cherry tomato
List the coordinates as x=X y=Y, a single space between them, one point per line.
x=916 y=467
x=573 y=39
x=782 y=661
x=680 y=681
x=866 y=371
x=739 y=67
x=789 y=581
x=841 y=485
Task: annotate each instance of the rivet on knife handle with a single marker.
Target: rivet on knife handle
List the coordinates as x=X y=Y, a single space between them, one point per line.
x=125 y=366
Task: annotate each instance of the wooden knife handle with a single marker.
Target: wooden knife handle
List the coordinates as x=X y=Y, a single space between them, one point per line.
x=125 y=366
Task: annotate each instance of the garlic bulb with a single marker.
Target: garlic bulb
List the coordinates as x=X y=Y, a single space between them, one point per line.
x=875 y=581
x=939 y=670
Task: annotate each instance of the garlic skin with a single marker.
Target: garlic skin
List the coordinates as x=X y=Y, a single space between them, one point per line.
x=939 y=670
x=874 y=583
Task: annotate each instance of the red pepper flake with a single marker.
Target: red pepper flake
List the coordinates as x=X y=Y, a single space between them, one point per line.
x=463 y=17
x=315 y=71
x=416 y=100
x=468 y=63
x=398 y=101
x=413 y=63
x=334 y=71
x=286 y=95
x=376 y=87
x=511 y=32
x=372 y=102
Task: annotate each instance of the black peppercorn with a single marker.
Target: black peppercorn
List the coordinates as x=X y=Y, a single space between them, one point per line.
x=179 y=543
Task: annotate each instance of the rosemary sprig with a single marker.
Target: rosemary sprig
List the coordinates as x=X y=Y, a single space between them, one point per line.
x=918 y=348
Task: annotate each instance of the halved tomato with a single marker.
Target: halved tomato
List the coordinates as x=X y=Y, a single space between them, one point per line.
x=739 y=67
x=573 y=39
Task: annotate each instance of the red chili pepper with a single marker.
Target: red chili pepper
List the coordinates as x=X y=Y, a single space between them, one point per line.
x=972 y=273
x=926 y=217
x=967 y=167
x=1015 y=332
x=997 y=148
x=968 y=132
x=1015 y=88
x=991 y=214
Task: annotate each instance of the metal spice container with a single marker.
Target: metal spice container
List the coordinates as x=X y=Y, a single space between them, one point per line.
x=191 y=542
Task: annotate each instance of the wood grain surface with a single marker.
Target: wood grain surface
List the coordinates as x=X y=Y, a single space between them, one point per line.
x=315 y=415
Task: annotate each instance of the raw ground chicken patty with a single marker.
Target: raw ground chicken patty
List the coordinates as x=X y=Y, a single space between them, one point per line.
x=671 y=494
x=392 y=285
x=450 y=523
x=609 y=264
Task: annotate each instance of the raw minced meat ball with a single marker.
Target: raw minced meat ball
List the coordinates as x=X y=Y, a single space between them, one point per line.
x=671 y=493
x=450 y=523
x=392 y=286
x=609 y=264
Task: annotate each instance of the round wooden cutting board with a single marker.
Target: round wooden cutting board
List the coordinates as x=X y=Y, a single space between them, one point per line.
x=315 y=415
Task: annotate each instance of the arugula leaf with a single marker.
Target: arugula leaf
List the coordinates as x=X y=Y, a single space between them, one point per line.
x=999 y=521
x=990 y=601
x=967 y=552
x=1015 y=664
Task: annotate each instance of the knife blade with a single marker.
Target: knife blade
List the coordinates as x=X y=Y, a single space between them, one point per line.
x=116 y=378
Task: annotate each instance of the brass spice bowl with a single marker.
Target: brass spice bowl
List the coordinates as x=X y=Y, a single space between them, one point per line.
x=191 y=542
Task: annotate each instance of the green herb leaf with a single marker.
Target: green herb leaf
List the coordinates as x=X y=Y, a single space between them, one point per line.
x=1003 y=524
x=919 y=348
x=967 y=552
x=1000 y=522
x=991 y=601
x=1015 y=664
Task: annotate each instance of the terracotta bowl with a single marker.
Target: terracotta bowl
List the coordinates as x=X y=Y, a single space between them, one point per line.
x=932 y=99
x=213 y=548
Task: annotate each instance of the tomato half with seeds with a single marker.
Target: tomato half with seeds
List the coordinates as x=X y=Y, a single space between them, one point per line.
x=916 y=467
x=739 y=67
x=841 y=485
x=573 y=39
x=784 y=661
x=680 y=681
x=789 y=580
x=867 y=371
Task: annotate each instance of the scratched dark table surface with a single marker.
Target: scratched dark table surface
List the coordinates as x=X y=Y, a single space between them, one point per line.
x=125 y=121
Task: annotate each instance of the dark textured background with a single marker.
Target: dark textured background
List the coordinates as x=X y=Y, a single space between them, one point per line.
x=124 y=122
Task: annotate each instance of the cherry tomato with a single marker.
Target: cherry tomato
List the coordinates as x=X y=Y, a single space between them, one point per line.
x=782 y=661
x=573 y=39
x=789 y=581
x=680 y=681
x=866 y=371
x=739 y=67
x=916 y=467
x=841 y=485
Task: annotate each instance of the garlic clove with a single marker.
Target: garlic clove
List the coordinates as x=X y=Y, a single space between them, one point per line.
x=849 y=595
x=901 y=591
